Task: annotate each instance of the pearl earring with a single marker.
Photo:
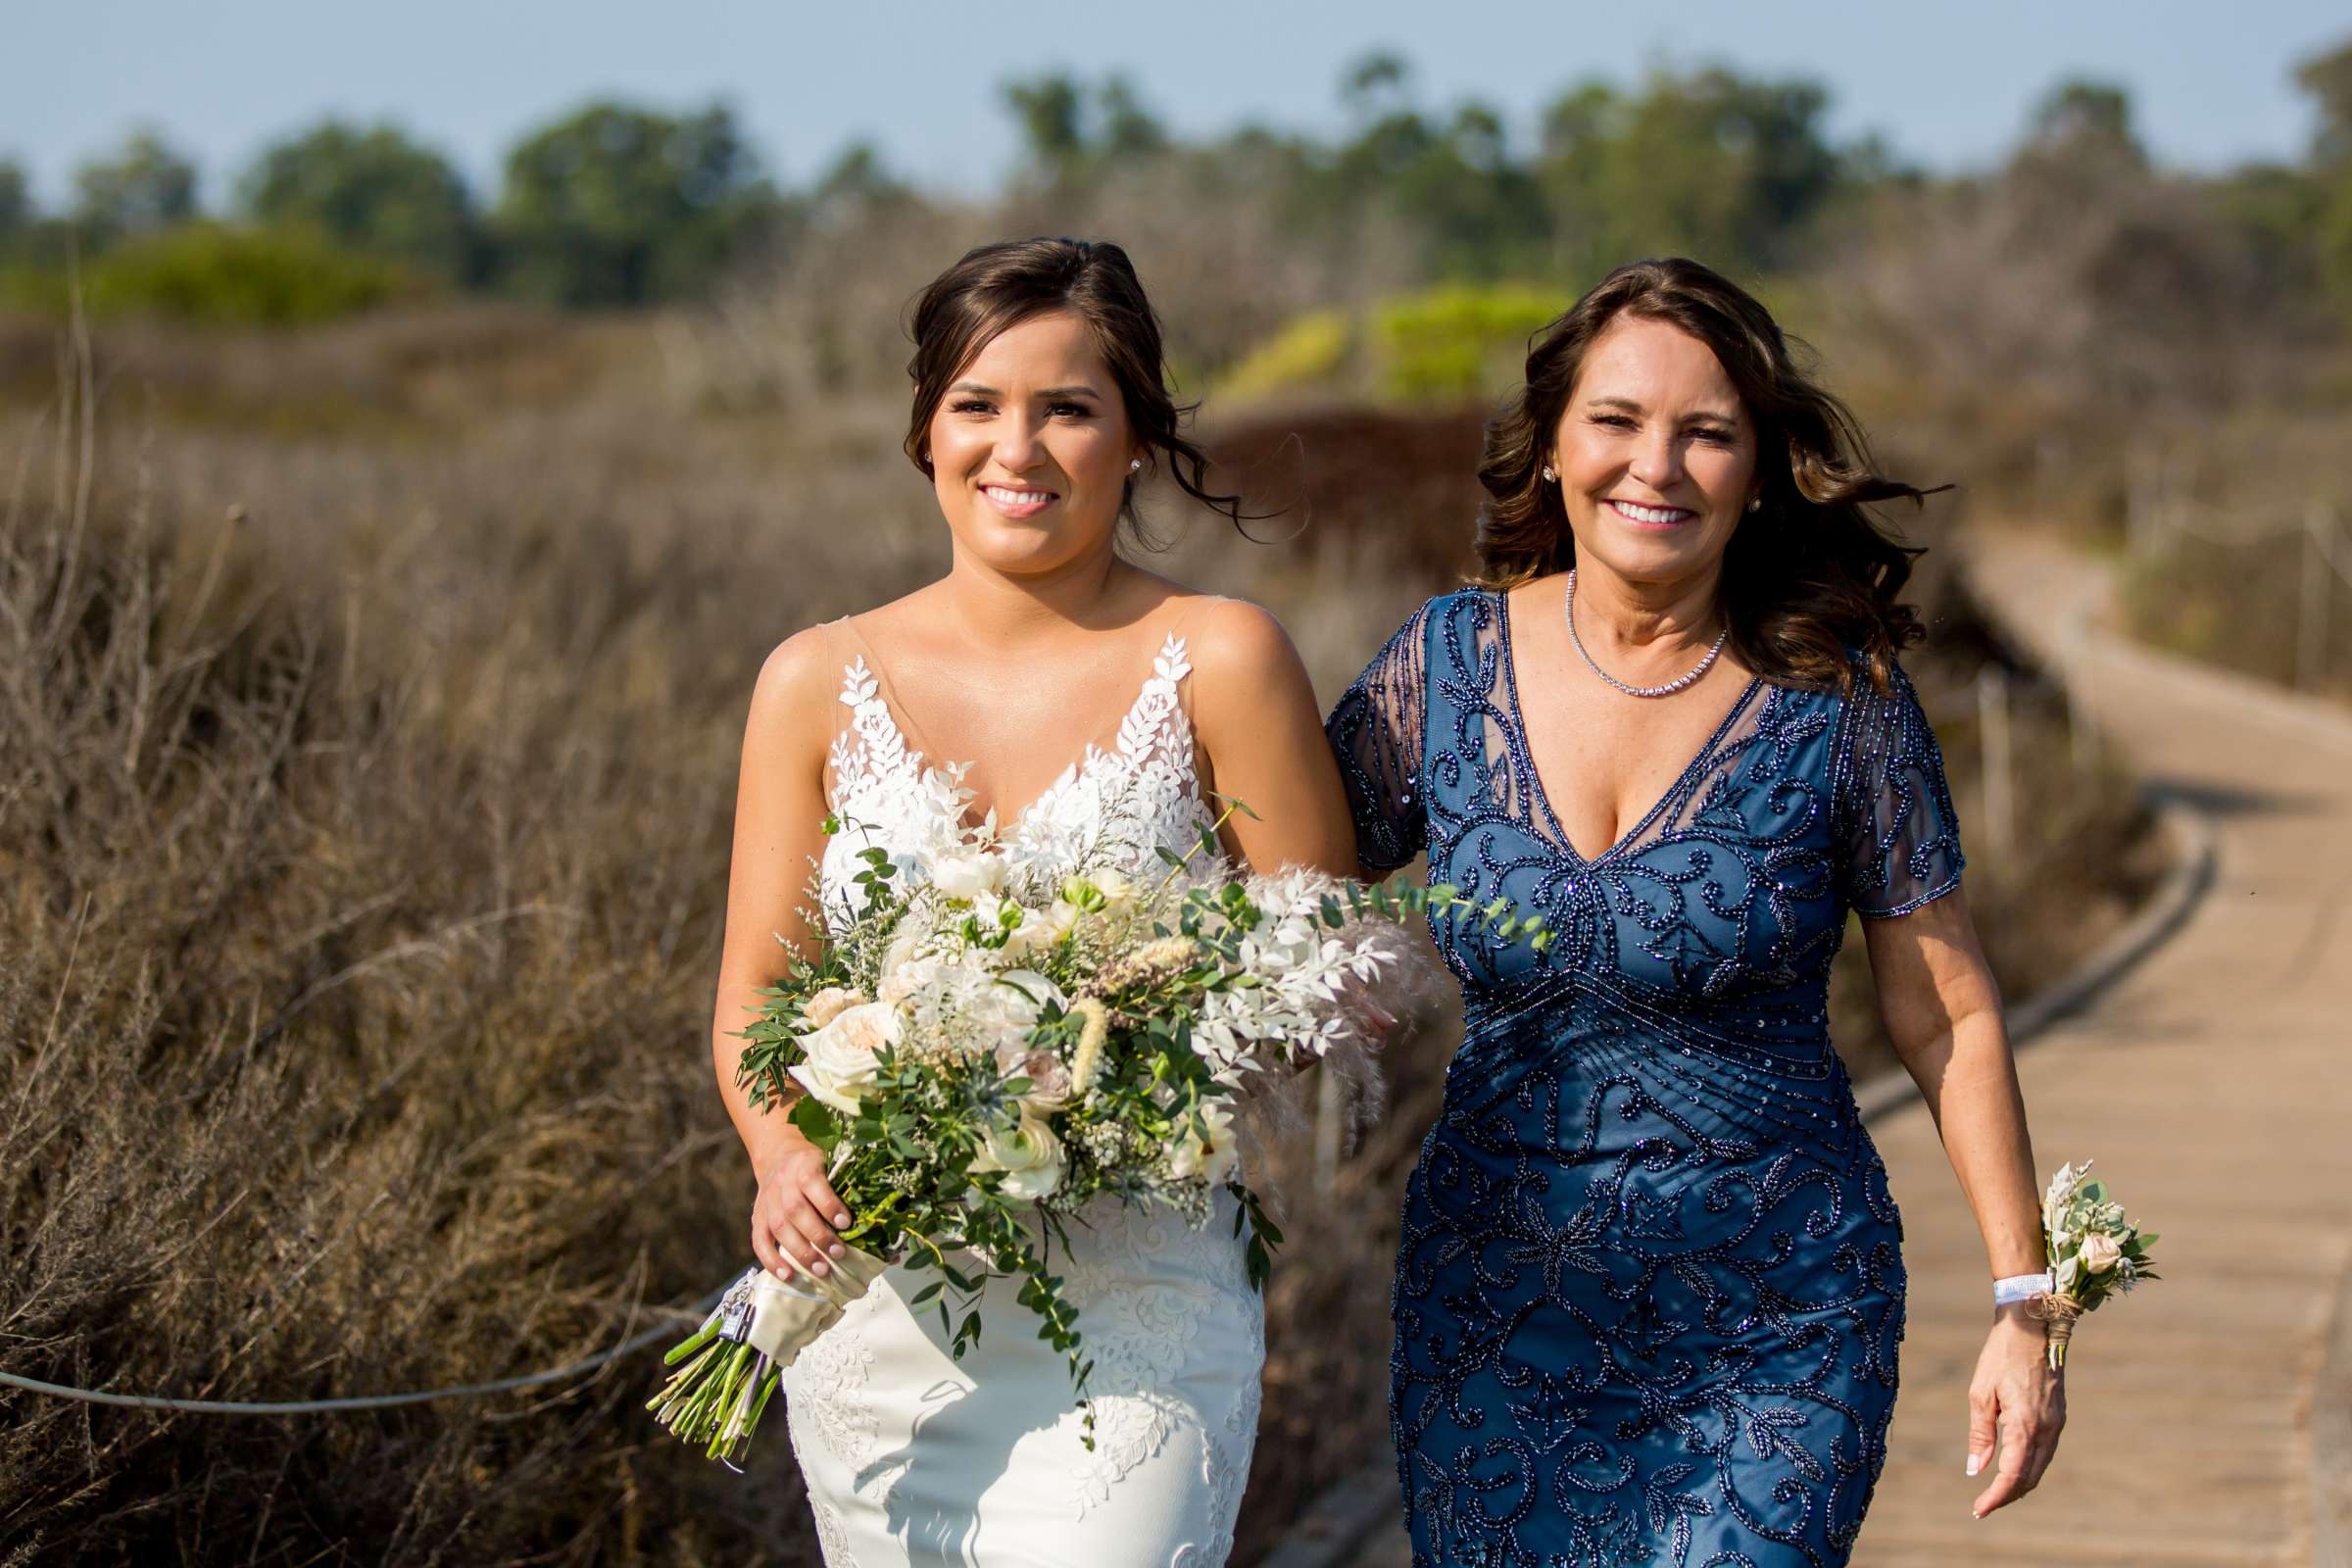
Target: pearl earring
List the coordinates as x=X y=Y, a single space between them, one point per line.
x=1548 y=475
x=1753 y=502
x=1135 y=464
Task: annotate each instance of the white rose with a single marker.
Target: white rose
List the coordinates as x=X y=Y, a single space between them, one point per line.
x=967 y=873
x=2101 y=1254
x=1028 y=1152
x=828 y=1004
x=1214 y=1160
x=840 y=1064
x=1009 y=1009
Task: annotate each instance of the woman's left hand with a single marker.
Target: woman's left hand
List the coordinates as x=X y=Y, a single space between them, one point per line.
x=2017 y=1401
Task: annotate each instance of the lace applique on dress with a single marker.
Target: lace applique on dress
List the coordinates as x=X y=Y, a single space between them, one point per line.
x=908 y=1460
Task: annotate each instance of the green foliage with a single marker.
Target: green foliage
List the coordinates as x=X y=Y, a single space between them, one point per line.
x=1309 y=349
x=615 y=204
x=371 y=190
x=1712 y=164
x=144 y=187
x=1070 y=132
x=1457 y=340
x=16 y=200
x=218 y=275
x=2328 y=78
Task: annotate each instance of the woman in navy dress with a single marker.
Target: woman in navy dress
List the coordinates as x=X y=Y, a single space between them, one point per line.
x=1650 y=1284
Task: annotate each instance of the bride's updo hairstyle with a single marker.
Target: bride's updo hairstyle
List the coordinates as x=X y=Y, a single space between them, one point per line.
x=1810 y=574
x=1002 y=285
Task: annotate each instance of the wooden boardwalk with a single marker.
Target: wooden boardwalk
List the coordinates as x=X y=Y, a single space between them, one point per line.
x=2213 y=1083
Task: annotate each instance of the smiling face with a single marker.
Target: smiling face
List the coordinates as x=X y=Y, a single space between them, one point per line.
x=1030 y=449
x=1656 y=453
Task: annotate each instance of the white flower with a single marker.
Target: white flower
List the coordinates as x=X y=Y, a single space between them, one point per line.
x=1028 y=1152
x=2068 y=1274
x=1050 y=1082
x=2101 y=1254
x=1212 y=1160
x=827 y=1004
x=964 y=873
x=840 y=1064
x=1103 y=889
x=1006 y=1010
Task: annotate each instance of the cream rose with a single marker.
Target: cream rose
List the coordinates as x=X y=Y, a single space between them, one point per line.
x=840 y=1064
x=828 y=1004
x=2101 y=1254
x=967 y=873
x=1028 y=1152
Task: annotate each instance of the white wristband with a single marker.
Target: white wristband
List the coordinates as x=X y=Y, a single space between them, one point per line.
x=2021 y=1287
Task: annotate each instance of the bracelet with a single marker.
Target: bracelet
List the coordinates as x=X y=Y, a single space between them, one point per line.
x=2021 y=1287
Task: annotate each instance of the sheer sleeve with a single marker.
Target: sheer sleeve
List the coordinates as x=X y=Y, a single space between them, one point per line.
x=1902 y=837
x=1376 y=730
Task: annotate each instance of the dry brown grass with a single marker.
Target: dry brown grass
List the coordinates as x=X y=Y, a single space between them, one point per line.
x=363 y=858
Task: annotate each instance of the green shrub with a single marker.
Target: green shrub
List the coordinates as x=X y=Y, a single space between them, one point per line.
x=222 y=275
x=1458 y=340
x=1308 y=350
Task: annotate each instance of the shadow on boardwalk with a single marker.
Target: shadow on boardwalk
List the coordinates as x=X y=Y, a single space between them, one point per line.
x=2212 y=1084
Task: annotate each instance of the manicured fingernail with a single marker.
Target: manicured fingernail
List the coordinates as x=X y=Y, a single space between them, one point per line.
x=819 y=1267
x=1975 y=1462
x=781 y=1272
x=838 y=1251
x=841 y=1220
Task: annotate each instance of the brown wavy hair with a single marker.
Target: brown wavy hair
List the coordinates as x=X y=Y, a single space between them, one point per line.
x=1002 y=285
x=1810 y=578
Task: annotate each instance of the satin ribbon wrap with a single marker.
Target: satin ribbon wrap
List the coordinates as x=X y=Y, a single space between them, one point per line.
x=787 y=1315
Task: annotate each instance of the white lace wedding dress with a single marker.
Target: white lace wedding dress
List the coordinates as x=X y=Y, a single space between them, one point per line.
x=915 y=1458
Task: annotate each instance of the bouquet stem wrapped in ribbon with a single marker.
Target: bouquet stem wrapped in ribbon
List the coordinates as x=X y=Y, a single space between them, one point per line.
x=981 y=1054
x=2095 y=1254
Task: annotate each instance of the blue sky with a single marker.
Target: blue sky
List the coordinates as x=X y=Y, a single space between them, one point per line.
x=1947 y=84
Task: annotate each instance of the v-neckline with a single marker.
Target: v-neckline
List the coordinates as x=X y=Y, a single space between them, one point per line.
x=1535 y=776
x=961 y=768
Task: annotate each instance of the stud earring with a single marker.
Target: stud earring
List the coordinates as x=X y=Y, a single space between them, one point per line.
x=1135 y=464
x=1753 y=502
x=1548 y=475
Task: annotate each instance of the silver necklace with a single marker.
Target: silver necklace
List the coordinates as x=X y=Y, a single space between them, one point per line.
x=1568 y=609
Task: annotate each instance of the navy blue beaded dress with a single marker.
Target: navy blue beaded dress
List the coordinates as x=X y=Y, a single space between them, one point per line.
x=1650 y=1286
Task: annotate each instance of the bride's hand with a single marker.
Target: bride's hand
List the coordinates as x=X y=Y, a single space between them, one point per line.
x=795 y=1216
x=2018 y=1400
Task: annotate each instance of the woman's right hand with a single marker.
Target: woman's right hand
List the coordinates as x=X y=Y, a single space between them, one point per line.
x=796 y=1216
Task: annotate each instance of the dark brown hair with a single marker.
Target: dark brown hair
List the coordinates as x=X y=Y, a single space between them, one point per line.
x=1810 y=578
x=1002 y=285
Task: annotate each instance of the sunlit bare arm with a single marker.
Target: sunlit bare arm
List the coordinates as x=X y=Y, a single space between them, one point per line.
x=779 y=809
x=1261 y=734
x=1943 y=1013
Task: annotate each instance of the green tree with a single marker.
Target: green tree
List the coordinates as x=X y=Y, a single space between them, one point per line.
x=1072 y=132
x=2328 y=78
x=2079 y=145
x=858 y=175
x=143 y=187
x=371 y=190
x=617 y=205
x=16 y=200
x=1715 y=166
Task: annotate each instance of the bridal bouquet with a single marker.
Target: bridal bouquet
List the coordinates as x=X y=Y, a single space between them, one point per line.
x=2095 y=1252
x=981 y=1055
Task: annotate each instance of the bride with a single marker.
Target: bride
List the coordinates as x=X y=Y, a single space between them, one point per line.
x=1053 y=689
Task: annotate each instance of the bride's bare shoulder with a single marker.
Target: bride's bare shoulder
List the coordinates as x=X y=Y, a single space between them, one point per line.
x=1236 y=645
x=799 y=677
